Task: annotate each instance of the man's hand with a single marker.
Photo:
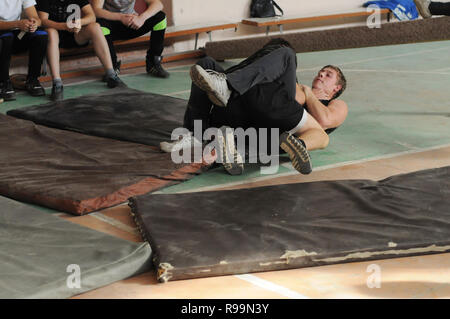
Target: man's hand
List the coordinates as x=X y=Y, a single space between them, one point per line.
x=137 y=22
x=307 y=91
x=126 y=19
x=73 y=27
x=25 y=25
x=34 y=25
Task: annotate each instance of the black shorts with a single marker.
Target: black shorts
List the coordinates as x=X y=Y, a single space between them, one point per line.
x=67 y=40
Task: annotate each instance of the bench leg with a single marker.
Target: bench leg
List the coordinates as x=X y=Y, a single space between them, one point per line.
x=44 y=67
x=267 y=30
x=209 y=35
x=196 y=41
x=281 y=28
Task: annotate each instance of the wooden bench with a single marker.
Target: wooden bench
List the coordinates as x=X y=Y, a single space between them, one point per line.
x=280 y=21
x=171 y=32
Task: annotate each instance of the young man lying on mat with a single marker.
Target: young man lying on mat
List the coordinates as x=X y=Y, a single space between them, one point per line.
x=262 y=92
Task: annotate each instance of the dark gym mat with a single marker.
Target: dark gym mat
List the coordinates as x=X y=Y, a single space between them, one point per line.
x=40 y=252
x=297 y=225
x=121 y=114
x=78 y=173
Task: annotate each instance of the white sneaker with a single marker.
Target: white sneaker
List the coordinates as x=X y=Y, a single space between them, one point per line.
x=213 y=83
x=423 y=8
x=185 y=141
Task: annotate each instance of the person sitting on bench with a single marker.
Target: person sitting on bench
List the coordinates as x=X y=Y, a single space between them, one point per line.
x=120 y=22
x=16 y=35
x=66 y=32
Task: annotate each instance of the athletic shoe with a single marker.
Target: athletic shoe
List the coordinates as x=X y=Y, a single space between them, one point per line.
x=423 y=6
x=34 y=87
x=185 y=141
x=57 y=93
x=114 y=81
x=116 y=68
x=231 y=159
x=213 y=83
x=7 y=91
x=297 y=152
x=153 y=67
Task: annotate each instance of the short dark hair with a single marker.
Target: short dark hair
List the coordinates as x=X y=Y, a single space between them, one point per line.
x=342 y=81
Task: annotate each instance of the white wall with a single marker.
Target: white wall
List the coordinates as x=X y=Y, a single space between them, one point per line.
x=201 y=11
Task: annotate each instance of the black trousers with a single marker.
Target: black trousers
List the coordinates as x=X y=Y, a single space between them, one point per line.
x=440 y=8
x=35 y=43
x=265 y=93
x=118 y=31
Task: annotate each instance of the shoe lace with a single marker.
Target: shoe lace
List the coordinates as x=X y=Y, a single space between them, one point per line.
x=220 y=79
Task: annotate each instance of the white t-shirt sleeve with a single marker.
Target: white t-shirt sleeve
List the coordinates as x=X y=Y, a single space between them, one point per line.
x=28 y=3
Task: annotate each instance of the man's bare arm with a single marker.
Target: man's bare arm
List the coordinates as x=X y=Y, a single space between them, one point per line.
x=88 y=15
x=32 y=15
x=97 y=6
x=153 y=7
x=28 y=25
x=46 y=22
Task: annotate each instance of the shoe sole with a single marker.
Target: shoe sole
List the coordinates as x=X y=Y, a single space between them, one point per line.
x=297 y=153
x=37 y=94
x=199 y=77
x=9 y=98
x=237 y=166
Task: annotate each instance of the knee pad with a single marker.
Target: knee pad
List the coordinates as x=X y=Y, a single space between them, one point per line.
x=161 y=25
x=106 y=31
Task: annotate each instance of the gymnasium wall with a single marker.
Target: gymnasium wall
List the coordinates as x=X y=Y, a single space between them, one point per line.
x=183 y=12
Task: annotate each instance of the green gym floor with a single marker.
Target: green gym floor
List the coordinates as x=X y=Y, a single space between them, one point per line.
x=398 y=122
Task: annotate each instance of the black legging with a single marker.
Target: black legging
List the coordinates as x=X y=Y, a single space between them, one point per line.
x=440 y=8
x=118 y=31
x=35 y=43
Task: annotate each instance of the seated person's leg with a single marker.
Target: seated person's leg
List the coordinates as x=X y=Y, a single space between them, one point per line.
x=36 y=44
x=157 y=25
x=7 y=92
x=93 y=32
x=53 y=57
x=113 y=31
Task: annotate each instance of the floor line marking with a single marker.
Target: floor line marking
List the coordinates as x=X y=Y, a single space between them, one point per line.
x=179 y=92
x=262 y=283
x=395 y=71
x=115 y=223
x=378 y=58
x=320 y=168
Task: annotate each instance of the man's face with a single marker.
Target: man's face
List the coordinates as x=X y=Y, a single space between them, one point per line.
x=326 y=80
